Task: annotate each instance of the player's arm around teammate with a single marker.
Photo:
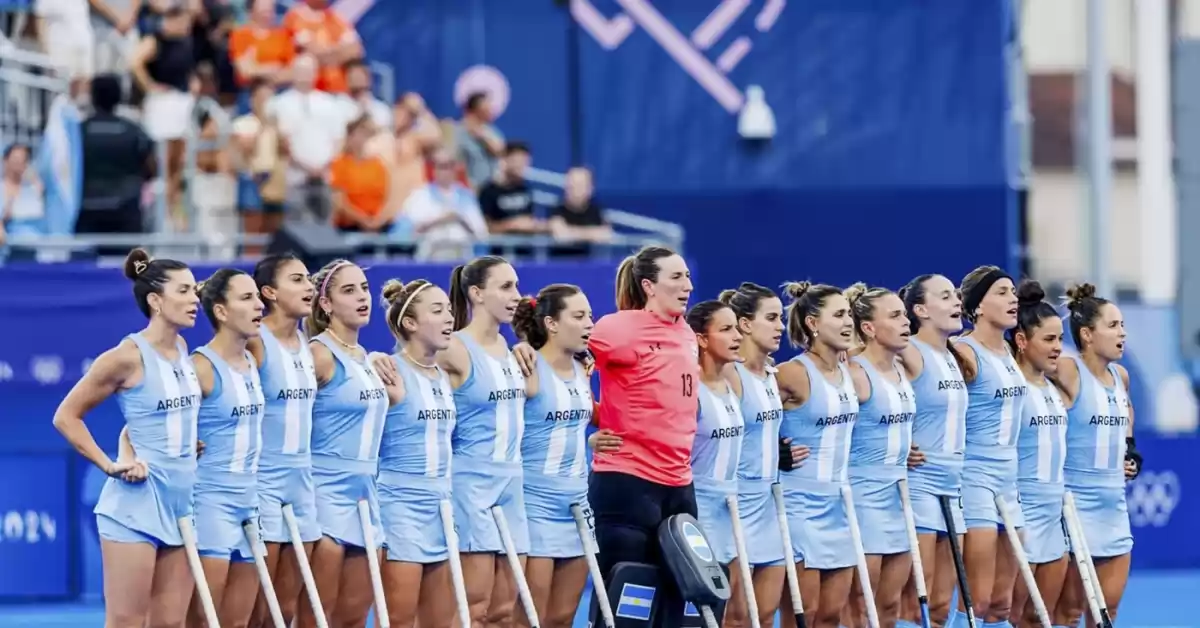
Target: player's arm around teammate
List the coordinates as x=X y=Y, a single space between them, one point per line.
x=414 y=459
x=146 y=576
x=994 y=397
x=881 y=446
x=489 y=396
x=936 y=371
x=558 y=409
x=1041 y=445
x=348 y=418
x=1101 y=455
x=718 y=441
x=285 y=367
x=230 y=423
x=759 y=314
x=820 y=406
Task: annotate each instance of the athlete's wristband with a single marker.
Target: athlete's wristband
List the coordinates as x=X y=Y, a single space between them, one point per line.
x=1133 y=455
x=785 y=456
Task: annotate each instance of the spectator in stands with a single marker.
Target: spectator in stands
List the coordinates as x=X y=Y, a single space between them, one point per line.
x=320 y=31
x=212 y=24
x=258 y=151
x=261 y=49
x=507 y=201
x=416 y=135
x=118 y=159
x=65 y=31
x=114 y=25
x=314 y=125
x=360 y=184
x=577 y=218
x=444 y=215
x=480 y=145
x=163 y=66
x=22 y=204
x=360 y=101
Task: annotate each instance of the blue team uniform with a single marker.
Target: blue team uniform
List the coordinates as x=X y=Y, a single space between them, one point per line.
x=289 y=384
x=1041 y=448
x=414 y=466
x=813 y=493
x=348 y=419
x=226 y=495
x=554 y=457
x=715 y=454
x=879 y=449
x=993 y=425
x=939 y=431
x=160 y=415
x=1094 y=470
x=758 y=465
x=487 y=452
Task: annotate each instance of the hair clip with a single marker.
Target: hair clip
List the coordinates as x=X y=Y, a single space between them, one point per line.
x=532 y=301
x=140 y=266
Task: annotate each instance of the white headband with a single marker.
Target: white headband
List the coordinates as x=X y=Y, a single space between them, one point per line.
x=409 y=300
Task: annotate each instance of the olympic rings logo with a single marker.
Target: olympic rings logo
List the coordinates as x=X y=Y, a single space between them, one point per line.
x=1152 y=497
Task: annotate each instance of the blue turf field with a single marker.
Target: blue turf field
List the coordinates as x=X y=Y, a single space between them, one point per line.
x=1153 y=600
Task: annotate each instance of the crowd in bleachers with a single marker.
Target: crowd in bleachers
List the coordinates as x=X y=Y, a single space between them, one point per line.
x=301 y=133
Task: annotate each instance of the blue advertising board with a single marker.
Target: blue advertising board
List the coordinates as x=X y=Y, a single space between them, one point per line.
x=1164 y=507
x=35 y=527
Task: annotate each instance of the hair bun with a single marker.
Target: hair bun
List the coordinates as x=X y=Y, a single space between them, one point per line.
x=726 y=296
x=1030 y=292
x=392 y=290
x=855 y=292
x=796 y=289
x=136 y=263
x=1078 y=293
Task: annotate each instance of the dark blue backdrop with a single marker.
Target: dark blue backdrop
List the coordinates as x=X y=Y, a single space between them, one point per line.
x=891 y=149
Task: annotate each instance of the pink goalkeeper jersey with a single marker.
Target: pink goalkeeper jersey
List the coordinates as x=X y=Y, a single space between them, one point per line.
x=649 y=374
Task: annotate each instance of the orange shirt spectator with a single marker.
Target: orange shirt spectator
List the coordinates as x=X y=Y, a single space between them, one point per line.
x=256 y=50
x=317 y=29
x=361 y=184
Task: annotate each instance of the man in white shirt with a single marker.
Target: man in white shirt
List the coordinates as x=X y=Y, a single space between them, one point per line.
x=314 y=125
x=445 y=215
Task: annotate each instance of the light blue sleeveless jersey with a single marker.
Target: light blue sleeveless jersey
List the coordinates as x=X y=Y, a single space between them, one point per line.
x=161 y=412
x=1096 y=430
x=882 y=435
x=416 y=436
x=230 y=424
x=994 y=407
x=348 y=415
x=718 y=443
x=289 y=384
x=939 y=427
x=1042 y=444
x=556 y=421
x=824 y=424
x=491 y=407
x=762 y=410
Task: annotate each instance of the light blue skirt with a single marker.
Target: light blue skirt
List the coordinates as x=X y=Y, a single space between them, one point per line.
x=1042 y=510
x=280 y=486
x=552 y=530
x=880 y=515
x=477 y=487
x=410 y=508
x=1104 y=516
